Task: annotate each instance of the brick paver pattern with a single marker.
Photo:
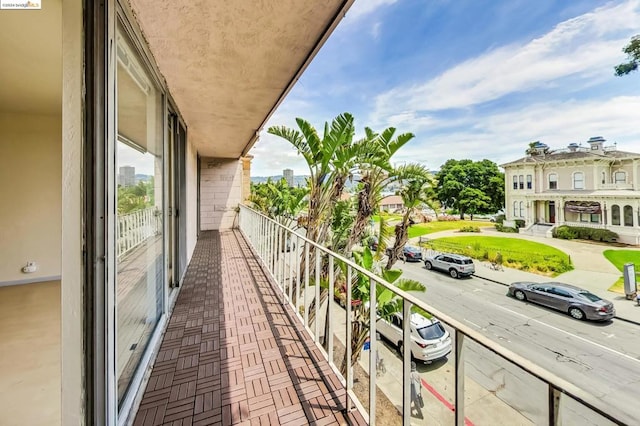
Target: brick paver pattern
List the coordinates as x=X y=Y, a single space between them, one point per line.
x=232 y=355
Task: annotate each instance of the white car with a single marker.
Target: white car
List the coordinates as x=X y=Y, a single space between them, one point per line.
x=429 y=339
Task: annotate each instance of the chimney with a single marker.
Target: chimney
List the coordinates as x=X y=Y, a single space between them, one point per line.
x=597 y=144
x=573 y=147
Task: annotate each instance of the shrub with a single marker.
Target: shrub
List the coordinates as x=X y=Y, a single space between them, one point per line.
x=469 y=229
x=583 y=233
x=501 y=228
x=519 y=223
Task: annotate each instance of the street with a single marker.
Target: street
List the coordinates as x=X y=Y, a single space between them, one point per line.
x=603 y=359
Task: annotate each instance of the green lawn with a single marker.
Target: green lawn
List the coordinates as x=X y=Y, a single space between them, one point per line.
x=430 y=227
x=619 y=258
x=387 y=217
x=516 y=253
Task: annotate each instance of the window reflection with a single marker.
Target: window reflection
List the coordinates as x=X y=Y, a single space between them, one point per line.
x=139 y=215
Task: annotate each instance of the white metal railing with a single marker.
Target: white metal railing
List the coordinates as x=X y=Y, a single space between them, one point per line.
x=133 y=229
x=285 y=255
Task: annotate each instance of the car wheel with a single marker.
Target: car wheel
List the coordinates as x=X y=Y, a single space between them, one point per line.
x=428 y=265
x=519 y=294
x=453 y=273
x=576 y=313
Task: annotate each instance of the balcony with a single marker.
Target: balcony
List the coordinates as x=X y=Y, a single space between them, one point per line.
x=233 y=353
x=247 y=343
x=616 y=186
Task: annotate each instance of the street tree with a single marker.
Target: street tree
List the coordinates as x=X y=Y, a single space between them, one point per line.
x=484 y=176
x=633 y=57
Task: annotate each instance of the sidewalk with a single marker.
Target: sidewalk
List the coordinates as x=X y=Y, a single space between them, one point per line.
x=592 y=271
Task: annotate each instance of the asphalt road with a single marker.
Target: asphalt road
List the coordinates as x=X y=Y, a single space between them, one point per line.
x=601 y=358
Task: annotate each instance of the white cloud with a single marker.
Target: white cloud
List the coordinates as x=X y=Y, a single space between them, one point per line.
x=586 y=47
x=503 y=137
x=375 y=30
x=361 y=8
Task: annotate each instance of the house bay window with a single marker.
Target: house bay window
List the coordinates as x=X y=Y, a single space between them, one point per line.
x=529 y=181
x=515 y=182
x=620 y=177
x=521 y=181
x=553 y=181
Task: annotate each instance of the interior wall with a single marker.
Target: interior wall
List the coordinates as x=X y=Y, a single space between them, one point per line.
x=220 y=192
x=30 y=201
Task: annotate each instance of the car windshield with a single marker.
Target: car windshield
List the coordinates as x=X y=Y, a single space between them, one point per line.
x=431 y=332
x=589 y=296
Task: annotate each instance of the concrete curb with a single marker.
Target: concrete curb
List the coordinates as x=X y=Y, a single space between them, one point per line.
x=630 y=321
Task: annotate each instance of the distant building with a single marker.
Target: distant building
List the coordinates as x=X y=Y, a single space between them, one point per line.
x=595 y=186
x=391 y=203
x=127 y=176
x=288 y=176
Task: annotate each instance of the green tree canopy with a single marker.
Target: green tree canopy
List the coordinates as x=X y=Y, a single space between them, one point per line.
x=470 y=187
x=633 y=55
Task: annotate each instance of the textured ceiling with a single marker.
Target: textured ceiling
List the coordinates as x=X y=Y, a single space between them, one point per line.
x=31 y=70
x=229 y=63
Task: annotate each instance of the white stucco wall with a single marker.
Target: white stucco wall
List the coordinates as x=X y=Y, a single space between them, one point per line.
x=30 y=200
x=191 y=158
x=72 y=293
x=220 y=192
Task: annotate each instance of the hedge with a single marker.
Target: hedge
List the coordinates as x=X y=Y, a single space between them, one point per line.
x=566 y=232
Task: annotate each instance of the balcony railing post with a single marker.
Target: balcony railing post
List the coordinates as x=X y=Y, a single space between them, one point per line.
x=316 y=336
x=373 y=350
x=554 y=405
x=349 y=372
x=406 y=364
x=291 y=251
x=306 y=284
x=459 y=379
x=329 y=338
x=297 y=280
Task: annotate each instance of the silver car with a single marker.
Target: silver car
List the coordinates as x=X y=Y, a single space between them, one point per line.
x=575 y=301
x=456 y=265
x=430 y=341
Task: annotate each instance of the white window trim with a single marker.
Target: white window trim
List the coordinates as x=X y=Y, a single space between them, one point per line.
x=573 y=179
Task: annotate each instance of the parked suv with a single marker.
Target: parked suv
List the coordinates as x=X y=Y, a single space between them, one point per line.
x=455 y=264
x=429 y=339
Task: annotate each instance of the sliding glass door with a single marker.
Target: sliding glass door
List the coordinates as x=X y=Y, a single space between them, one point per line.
x=139 y=220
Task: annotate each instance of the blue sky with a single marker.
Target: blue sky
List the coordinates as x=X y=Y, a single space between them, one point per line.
x=470 y=78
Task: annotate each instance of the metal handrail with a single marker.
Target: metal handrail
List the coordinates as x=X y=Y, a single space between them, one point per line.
x=266 y=236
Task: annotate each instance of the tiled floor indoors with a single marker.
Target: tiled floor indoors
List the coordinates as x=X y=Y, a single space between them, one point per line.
x=232 y=355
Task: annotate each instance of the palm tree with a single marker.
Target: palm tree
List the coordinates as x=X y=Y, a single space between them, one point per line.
x=377 y=172
x=417 y=189
x=386 y=303
x=322 y=155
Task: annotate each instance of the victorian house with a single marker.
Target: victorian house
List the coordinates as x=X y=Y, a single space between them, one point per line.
x=593 y=186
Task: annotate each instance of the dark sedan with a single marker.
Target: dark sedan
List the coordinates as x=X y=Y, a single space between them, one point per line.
x=577 y=302
x=409 y=253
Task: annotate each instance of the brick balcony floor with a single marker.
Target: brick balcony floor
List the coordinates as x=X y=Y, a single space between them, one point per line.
x=232 y=354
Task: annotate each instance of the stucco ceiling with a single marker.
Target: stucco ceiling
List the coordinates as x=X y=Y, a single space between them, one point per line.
x=228 y=64
x=31 y=71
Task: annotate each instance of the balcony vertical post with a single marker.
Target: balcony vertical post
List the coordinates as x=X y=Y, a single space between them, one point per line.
x=306 y=283
x=406 y=364
x=280 y=253
x=373 y=350
x=459 y=378
x=554 y=404
x=298 y=252
x=316 y=336
x=290 y=251
x=348 y=350
x=329 y=338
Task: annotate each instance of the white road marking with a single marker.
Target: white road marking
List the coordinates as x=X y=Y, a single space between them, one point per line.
x=472 y=323
x=609 y=336
x=476 y=290
x=570 y=334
